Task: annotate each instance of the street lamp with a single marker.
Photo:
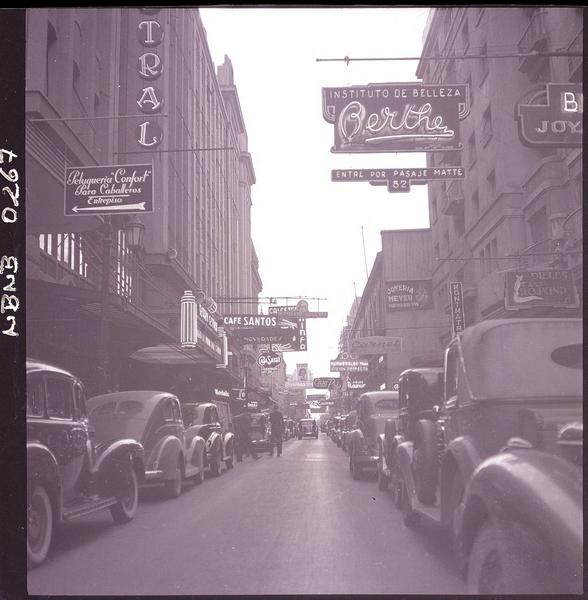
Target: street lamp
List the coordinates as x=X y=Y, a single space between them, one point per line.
x=134 y=234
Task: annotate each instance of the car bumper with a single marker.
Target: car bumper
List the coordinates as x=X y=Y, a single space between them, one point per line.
x=153 y=476
x=366 y=461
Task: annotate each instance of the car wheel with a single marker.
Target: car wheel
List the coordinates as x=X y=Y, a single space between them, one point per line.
x=382 y=479
x=507 y=560
x=409 y=517
x=354 y=468
x=39 y=526
x=396 y=488
x=425 y=464
x=173 y=487
x=215 y=466
x=124 y=510
x=199 y=477
x=230 y=462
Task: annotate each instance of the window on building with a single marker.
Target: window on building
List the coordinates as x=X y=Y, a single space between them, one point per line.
x=476 y=203
x=479 y=13
x=51 y=57
x=470 y=88
x=446 y=247
x=494 y=250
x=459 y=223
x=433 y=209
x=491 y=186
x=465 y=36
x=472 y=156
x=437 y=250
x=538 y=226
x=486 y=126
x=483 y=64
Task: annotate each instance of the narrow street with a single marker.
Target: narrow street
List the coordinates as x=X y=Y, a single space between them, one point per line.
x=297 y=524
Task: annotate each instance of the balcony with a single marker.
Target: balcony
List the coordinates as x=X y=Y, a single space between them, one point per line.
x=453 y=199
x=535 y=39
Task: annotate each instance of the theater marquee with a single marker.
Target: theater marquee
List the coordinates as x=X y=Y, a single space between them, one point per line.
x=396 y=117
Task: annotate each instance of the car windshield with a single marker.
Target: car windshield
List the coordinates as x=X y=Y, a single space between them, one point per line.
x=527 y=360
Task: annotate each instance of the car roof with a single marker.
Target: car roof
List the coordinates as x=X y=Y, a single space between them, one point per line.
x=149 y=399
x=422 y=370
x=35 y=365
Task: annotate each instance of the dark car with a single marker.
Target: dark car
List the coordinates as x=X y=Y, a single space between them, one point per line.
x=68 y=474
x=373 y=410
x=420 y=395
x=500 y=466
x=260 y=433
x=307 y=428
x=172 y=452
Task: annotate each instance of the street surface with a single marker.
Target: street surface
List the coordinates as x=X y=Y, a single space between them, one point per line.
x=297 y=524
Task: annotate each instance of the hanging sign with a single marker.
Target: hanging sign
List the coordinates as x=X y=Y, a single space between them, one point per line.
x=457 y=312
x=557 y=122
x=398 y=180
x=290 y=334
x=295 y=312
x=108 y=190
x=355 y=383
x=150 y=34
x=350 y=365
x=408 y=294
x=376 y=344
x=326 y=383
x=269 y=360
x=545 y=287
x=396 y=117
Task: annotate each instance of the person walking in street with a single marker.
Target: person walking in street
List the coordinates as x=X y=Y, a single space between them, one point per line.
x=277 y=430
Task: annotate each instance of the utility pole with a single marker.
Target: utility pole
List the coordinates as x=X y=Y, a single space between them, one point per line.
x=103 y=368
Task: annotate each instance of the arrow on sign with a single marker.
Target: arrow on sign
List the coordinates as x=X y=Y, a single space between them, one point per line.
x=138 y=206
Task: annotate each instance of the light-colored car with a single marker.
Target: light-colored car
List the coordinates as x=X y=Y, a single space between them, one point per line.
x=307 y=428
x=173 y=452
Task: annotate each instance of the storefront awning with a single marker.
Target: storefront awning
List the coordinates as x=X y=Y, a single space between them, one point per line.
x=171 y=354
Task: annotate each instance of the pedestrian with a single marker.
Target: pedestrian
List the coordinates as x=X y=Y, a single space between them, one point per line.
x=247 y=444
x=277 y=430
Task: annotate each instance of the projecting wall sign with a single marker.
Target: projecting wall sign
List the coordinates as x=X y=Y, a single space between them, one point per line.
x=408 y=294
x=150 y=34
x=457 y=312
x=534 y=287
x=398 y=180
x=556 y=123
x=108 y=190
x=396 y=117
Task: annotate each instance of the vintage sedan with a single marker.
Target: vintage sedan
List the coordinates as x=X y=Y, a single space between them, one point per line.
x=307 y=428
x=420 y=396
x=68 y=474
x=373 y=410
x=348 y=425
x=173 y=452
x=500 y=466
x=213 y=425
x=260 y=433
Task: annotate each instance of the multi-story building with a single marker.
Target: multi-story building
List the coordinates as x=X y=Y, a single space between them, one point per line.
x=123 y=86
x=516 y=199
x=397 y=306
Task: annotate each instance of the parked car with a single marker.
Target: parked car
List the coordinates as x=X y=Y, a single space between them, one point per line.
x=288 y=429
x=173 y=452
x=260 y=432
x=212 y=423
x=307 y=428
x=348 y=425
x=336 y=430
x=68 y=474
x=373 y=410
x=500 y=466
x=420 y=396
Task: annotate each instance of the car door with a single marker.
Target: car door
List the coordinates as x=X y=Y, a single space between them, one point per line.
x=66 y=434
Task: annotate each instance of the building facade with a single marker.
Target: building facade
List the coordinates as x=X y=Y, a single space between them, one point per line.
x=132 y=86
x=515 y=200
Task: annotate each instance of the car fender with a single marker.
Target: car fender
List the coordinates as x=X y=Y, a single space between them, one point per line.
x=114 y=455
x=165 y=455
x=404 y=454
x=213 y=443
x=42 y=467
x=196 y=450
x=535 y=489
x=227 y=441
x=355 y=437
